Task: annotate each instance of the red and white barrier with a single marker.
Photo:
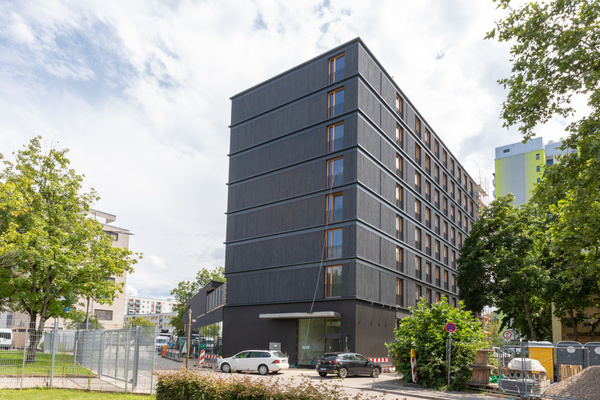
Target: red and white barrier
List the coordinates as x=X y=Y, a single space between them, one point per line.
x=201 y=360
x=413 y=365
x=380 y=360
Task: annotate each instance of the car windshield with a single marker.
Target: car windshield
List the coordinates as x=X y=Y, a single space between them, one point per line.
x=329 y=357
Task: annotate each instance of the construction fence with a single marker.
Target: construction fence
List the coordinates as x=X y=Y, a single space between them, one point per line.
x=565 y=370
x=107 y=360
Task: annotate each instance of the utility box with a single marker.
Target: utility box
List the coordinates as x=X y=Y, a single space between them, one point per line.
x=592 y=353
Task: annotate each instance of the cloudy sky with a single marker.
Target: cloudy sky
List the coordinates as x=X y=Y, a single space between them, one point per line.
x=139 y=90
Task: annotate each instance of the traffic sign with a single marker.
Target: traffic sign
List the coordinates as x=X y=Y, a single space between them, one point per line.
x=507 y=335
x=450 y=327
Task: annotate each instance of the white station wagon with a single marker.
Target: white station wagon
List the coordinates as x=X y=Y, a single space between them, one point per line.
x=263 y=361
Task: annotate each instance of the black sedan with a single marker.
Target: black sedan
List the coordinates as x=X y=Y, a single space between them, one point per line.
x=346 y=364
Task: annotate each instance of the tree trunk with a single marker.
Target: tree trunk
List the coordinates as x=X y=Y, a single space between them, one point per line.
x=574 y=323
x=35 y=336
x=528 y=316
x=593 y=331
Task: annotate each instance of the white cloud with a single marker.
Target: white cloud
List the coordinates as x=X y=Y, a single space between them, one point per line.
x=139 y=92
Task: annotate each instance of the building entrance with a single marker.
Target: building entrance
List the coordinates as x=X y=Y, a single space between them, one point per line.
x=317 y=336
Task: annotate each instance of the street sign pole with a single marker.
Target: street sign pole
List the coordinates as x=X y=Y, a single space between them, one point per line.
x=449 y=355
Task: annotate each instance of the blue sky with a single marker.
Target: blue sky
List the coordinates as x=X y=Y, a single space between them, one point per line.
x=139 y=91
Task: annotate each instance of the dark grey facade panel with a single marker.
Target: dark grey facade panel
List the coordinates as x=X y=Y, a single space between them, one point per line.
x=289 y=150
x=368 y=245
x=369 y=139
x=369 y=70
x=276 y=286
x=374 y=327
x=289 y=86
x=280 y=185
x=368 y=173
x=293 y=117
x=297 y=248
x=369 y=105
x=298 y=213
x=369 y=283
x=370 y=212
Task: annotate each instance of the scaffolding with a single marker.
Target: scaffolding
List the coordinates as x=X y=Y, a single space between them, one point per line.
x=482 y=189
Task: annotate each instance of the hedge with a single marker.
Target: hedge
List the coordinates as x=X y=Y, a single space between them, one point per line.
x=202 y=385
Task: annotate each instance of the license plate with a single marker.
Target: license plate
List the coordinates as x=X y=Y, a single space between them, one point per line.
x=322 y=369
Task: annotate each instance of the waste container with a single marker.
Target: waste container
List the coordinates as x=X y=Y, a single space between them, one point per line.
x=543 y=352
x=592 y=353
x=569 y=353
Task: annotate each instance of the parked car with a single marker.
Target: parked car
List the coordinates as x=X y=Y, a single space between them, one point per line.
x=346 y=364
x=263 y=361
x=6 y=339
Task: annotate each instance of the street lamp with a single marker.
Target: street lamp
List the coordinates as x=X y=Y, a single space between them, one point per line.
x=189 y=331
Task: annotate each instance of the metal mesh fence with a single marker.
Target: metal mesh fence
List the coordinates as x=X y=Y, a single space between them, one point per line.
x=107 y=360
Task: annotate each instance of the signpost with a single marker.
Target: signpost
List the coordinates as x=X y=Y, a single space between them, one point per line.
x=508 y=335
x=413 y=365
x=450 y=327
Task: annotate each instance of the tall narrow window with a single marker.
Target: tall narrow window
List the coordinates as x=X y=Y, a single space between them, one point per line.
x=418 y=273
x=437 y=198
x=438 y=297
x=436 y=149
x=428 y=217
x=399 y=292
x=428 y=272
x=336 y=102
x=335 y=205
x=446 y=254
x=436 y=173
x=452 y=212
x=437 y=275
x=417 y=293
x=335 y=171
x=428 y=244
x=418 y=181
x=399 y=104
x=335 y=137
x=452 y=166
x=399 y=196
x=437 y=249
x=337 y=68
x=334 y=243
x=427 y=137
x=417 y=208
x=428 y=295
x=399 y=223
x=333 y=281
x=452 y=189
x=445 y=182
x=417 y=153
x=417 y=125
x=445 y=279
x=399 y=259
x=453 y=283
x=418 y=238
x=445 y=158
x=437 y=224
x=399 y=135
x=428 y=190
x=398 y=165
x=428 y=164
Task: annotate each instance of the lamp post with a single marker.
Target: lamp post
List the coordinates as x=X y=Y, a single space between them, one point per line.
x=189 y=331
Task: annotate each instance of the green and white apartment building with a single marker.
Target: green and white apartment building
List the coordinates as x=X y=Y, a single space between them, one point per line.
x=520 y=166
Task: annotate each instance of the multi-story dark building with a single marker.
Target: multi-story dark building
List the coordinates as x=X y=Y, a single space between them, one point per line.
x=344 y=209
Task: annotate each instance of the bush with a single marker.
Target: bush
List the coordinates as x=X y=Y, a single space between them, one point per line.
x=198 y=385
x=425 y=332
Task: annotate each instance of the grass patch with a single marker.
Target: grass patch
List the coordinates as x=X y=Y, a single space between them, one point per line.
x=11 y=363
x=67 y=394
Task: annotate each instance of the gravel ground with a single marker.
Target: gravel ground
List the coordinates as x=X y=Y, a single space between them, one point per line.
x=585 y=385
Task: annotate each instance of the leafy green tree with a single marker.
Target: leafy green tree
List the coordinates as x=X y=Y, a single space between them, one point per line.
x=138 y=321
x=555 y=56
x=425 y=332
x=76 y=319
x=570 y=194
x=52 y=252
x=185 y=290
x=555 y=52
x=503 y=263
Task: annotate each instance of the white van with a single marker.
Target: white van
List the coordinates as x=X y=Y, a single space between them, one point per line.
x=160 y=341
x=6 y=339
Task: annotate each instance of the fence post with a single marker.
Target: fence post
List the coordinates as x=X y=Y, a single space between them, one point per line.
x=127 y=351
x=24 y=355
x=153 y=359
x=136 y=357
x=54 y=335
x=101 y=361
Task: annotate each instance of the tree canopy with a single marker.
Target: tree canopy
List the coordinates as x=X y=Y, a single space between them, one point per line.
x=185 y=290
x=555 y=49
x=52 y=254
x=503 y=263
x=424 y=331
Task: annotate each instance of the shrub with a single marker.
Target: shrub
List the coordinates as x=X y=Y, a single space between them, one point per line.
x=202 y=385
x=425 y=332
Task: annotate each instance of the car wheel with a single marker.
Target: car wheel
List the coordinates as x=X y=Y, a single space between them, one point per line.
x=323 y=373
x=263 y=369
x=343 y=372
x=226 y=368
x=375 y=372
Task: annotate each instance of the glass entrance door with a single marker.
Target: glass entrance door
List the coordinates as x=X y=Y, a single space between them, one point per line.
x=316 y=337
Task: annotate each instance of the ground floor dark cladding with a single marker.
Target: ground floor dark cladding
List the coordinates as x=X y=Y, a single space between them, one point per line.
x=344 y=325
